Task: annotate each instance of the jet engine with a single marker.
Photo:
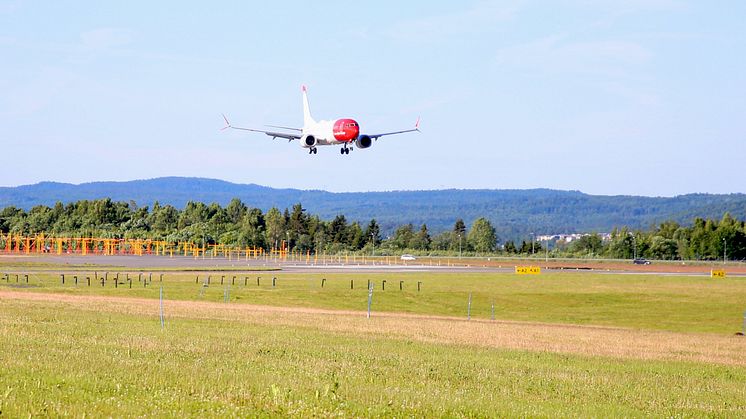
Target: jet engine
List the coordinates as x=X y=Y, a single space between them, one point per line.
x=363 y=141
x=308 y=141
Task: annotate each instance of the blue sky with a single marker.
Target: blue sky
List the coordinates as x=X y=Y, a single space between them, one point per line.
x=642 y=97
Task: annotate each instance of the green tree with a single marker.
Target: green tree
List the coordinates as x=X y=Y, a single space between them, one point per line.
x=235 y=211
x=588 y=244
x=338 y=230
x=482 y=237
x=458 y=236
x=421 y=240
x=373 y=233
x=274 y=227
x=510 y=247
x=662 y=248
x=403 y=237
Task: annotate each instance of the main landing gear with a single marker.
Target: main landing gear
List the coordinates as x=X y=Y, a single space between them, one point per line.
x=312 y=150
x=345 y=150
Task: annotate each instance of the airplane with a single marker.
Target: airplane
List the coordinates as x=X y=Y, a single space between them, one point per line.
x=314 y=133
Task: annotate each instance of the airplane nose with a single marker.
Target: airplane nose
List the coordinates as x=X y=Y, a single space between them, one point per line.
x=354 y=131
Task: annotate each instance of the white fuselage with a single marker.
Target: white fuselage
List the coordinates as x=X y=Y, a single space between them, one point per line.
x=323 y=131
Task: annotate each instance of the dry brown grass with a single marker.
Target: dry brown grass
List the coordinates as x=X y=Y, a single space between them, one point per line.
x=558 y=338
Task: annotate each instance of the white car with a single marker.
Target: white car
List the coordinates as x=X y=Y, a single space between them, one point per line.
x=408 y=257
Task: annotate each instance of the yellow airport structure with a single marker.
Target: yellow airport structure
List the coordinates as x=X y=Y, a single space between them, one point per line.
x=717 y=273
x=42 y=244
x=528 y=270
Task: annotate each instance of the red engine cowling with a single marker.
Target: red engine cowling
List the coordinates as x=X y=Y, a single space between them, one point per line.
x=363 y=141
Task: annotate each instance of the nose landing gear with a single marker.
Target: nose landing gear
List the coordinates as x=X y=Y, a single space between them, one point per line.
x=345 y=150
x=312 y=150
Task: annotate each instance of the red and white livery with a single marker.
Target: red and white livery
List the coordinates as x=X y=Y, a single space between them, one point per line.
x=314 y=133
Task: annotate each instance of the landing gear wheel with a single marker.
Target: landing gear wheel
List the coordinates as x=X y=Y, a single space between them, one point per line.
x=341 y=151
x=315 y=150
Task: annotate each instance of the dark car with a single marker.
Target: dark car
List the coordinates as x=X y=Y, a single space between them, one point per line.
x=641 y=261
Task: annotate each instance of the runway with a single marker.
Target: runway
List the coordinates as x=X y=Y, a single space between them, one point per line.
x=443 y=265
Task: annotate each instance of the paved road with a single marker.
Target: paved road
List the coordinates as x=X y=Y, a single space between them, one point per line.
x=154 y=263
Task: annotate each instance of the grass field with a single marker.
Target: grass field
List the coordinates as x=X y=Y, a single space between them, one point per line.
x=682 y=304
x=563 y=345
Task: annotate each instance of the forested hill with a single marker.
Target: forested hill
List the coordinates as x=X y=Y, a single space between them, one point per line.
x=514 y=213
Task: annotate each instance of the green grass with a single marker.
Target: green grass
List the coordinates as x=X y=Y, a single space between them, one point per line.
x=681 y=304
x=61 y=361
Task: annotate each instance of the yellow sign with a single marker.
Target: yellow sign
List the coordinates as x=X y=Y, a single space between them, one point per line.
x=717 y=273
x=528 y=270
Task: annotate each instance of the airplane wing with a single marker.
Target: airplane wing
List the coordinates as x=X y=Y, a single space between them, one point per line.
x=273 y=134
x=416 y=128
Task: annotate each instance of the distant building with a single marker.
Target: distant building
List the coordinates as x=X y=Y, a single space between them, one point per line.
x=568 y=238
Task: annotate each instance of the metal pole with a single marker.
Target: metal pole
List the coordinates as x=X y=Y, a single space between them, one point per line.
x=370 y=298
x=725 y=247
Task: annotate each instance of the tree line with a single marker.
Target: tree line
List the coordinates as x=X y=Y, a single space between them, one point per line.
x=237 y=224
x=705 y=239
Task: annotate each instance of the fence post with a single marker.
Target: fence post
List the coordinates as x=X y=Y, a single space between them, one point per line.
x=370 y=297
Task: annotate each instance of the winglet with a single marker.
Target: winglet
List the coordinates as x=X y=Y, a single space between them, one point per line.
x=227 y=124
x=303 y=88
x=417 y=124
